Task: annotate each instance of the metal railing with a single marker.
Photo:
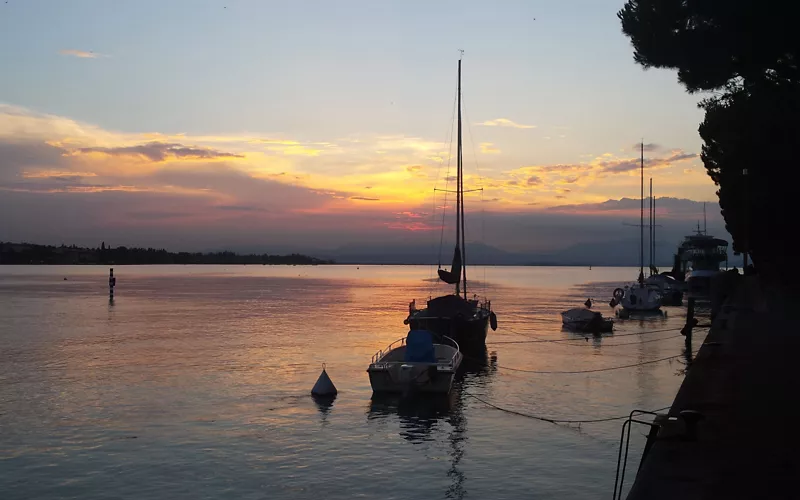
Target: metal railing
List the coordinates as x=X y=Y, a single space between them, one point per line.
x=402 y=341
x=378 y=355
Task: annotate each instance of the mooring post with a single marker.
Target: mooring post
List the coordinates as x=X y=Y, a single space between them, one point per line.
x=690 y=323
x=112 y=282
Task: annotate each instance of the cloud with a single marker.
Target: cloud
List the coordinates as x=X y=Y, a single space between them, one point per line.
x=504 y=122
x=240 y=208
x=647 y=147
x=79 y=53
x=489 y=148
x=71 y=180
x=669 y=207
x=628 y=164
x=160 y=151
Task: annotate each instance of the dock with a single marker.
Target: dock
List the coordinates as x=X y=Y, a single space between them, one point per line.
x=743 y=382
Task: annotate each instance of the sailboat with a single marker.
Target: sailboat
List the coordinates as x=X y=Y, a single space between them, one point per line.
x=639 y=298
x=456 y=315
x=669 y=287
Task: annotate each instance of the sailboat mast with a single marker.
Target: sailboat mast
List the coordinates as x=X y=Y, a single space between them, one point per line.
x=654 y=221
x=705 y=226
x=641 y=223
x=458 y=178
x=650 y=249
x=461 y=187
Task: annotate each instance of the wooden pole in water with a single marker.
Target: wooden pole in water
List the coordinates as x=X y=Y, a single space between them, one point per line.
x=112 y=282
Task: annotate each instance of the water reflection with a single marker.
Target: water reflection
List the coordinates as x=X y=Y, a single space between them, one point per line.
x=324 y=405
x=422 y=418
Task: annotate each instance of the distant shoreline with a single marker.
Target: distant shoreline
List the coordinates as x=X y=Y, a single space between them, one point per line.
x=32 y=254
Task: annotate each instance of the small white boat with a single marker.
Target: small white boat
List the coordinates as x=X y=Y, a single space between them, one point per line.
x=415 y=363
x=638 y=298
x=580 y=319
x=669 y=288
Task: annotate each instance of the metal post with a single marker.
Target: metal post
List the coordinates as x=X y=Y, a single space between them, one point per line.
x=746 y=222
x=691 y=322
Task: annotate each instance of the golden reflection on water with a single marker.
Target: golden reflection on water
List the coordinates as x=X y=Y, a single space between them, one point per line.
x=196 y=380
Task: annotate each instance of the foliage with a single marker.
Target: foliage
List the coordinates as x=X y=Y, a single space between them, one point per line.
x=745 y=53
x=713 y=43
x=757 y=131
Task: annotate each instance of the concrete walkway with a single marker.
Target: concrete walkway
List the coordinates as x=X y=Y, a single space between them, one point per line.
x=745 y=381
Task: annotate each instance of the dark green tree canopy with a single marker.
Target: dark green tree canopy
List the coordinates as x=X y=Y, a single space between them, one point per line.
x=713 y=43
x=746 y=51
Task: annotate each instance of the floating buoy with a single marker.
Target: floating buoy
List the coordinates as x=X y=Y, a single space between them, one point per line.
x=324 y=385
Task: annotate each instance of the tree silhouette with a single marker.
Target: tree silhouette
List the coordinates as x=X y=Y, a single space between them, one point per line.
x=746 y=54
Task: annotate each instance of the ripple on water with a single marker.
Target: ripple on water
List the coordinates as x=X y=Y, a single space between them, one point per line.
x=195 y=383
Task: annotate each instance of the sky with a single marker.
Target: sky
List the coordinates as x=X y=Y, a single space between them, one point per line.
x=208 y=124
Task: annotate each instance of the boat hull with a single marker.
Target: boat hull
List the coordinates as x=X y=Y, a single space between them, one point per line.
x=603 y=326
x=699 y=283
x=393 y=381
x=469 y=333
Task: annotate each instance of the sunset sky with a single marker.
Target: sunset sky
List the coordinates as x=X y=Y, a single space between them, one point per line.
x=232 y=123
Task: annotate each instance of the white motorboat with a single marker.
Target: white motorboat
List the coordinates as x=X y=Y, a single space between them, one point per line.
x=640 y=298
x=581 y=319
x=415 y=363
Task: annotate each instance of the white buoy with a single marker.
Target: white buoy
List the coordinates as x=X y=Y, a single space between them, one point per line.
x=324 y=385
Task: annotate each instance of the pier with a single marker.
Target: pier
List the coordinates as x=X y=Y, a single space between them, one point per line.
x=743 y=383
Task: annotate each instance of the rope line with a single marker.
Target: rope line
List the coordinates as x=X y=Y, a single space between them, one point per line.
x=594 y=370
x=447 y=176
x=555 y=421
x=582 y=343
x=574 y=340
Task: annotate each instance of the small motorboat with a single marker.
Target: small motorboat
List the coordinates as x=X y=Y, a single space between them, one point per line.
x=580 y=319
x=415 y=364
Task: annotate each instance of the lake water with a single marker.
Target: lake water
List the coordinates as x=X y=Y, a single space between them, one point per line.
x=195 y=384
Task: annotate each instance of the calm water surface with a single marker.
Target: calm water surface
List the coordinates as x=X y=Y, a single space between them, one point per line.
x=195 y=384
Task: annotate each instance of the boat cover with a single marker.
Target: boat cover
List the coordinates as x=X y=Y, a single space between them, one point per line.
x=452 y=276
x=419 y=347
x=450 y=306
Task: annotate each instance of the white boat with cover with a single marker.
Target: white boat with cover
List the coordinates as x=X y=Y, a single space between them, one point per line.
x=581 y=319
x=415 y=364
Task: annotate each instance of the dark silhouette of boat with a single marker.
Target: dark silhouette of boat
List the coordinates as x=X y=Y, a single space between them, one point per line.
x=464 y=319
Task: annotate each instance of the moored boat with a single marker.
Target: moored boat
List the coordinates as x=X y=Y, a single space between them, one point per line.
x=415 y=364
x=581 y=319
x=466 y=320
x=638 y=297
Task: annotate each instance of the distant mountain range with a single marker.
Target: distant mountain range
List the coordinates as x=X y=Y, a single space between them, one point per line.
x=607 y=253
